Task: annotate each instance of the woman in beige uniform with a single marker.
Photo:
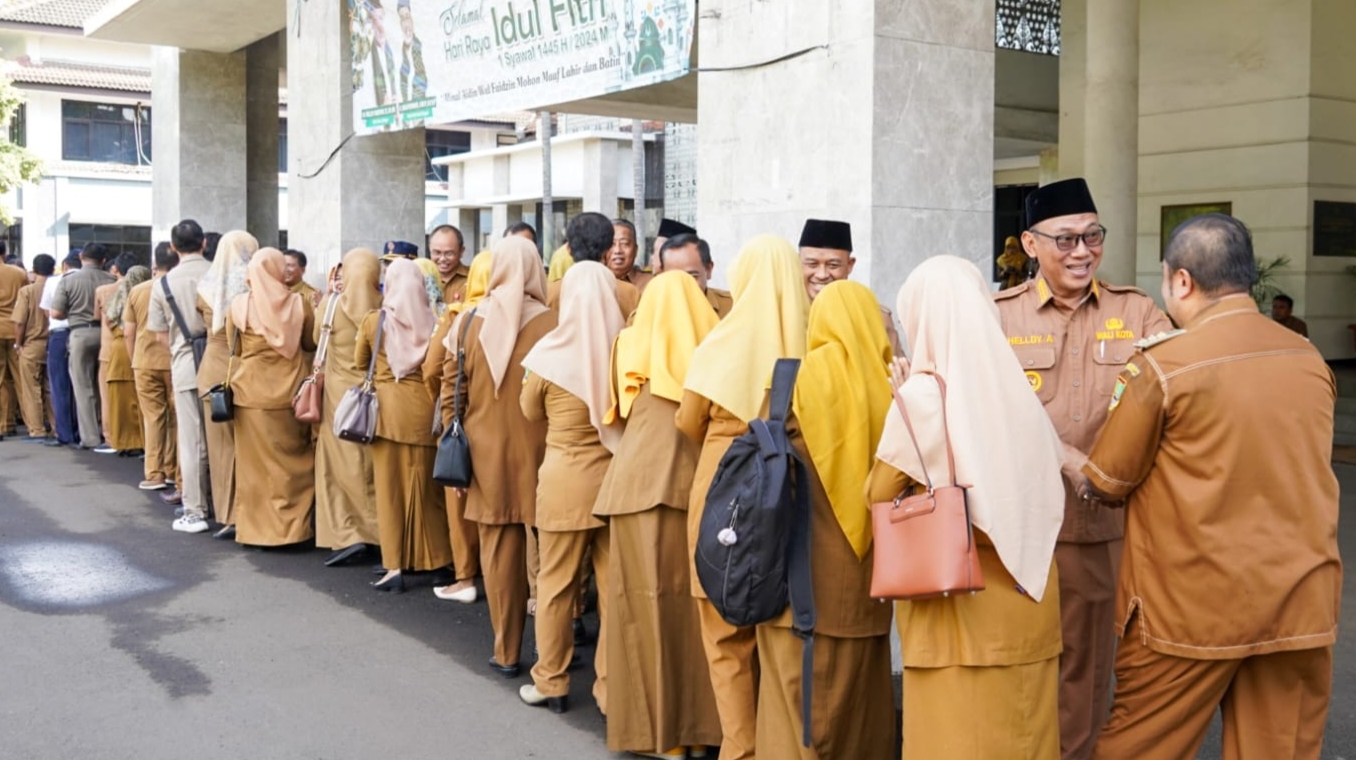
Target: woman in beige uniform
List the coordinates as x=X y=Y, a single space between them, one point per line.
x=124 y=412
x=224 y=281
x=726 y=387
x=346 y=496
x=506 y=449
x=981 y=672
x=275 y=463
x=462 y=533
x=659 y=689
x=567 y=387
x=841 y=398
x=411 y=517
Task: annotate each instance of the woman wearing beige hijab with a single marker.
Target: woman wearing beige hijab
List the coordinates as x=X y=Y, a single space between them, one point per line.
x=411 y=517
x=224 y=281
x=506 y=448
x=981 y=672
x=271 y=327
x=725 y=388
x=346 y=496
x=567 y=387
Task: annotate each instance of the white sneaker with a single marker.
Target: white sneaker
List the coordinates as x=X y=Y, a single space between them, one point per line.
x=105 y=449
x=187 y=524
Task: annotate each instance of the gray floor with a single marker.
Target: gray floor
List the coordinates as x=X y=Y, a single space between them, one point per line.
x=125 y=640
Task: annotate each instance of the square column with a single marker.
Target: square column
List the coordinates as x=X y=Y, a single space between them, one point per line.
x=600 y=177
x=344 y=191
x=263 y=60
x=892 y=106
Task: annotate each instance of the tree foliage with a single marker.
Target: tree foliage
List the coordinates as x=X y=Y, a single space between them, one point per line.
x=17 y=165
x=1264 y=287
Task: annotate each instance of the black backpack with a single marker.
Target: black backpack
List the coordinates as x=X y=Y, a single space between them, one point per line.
x=753 y=545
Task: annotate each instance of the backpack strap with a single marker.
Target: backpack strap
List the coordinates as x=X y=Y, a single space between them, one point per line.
x=800 y=587
x=783 y=385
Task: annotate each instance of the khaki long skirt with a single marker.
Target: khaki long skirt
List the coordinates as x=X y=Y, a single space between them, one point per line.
x=275 y=490
x=124 y=416
x=852 y=704
x=346 y=494
x=978 y=713
x=659 y=687
x=220 y=437
x=411 y=515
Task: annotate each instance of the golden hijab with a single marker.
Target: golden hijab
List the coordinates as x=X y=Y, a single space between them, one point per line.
x=270 y=308
x=576 y=355
x=672 y=319
x=477 y=283
x=733 y=366
x=362 y=284
x=227 y=276
x=842 y=396
x=409 y=321
x=1007 y=451
x=516 y=296
x=561 y=261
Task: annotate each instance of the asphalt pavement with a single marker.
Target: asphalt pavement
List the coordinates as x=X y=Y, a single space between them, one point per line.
x=123 y=639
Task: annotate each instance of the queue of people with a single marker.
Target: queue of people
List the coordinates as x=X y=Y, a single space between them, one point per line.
x=1107 y=461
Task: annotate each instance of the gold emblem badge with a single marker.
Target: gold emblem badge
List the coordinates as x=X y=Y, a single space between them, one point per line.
x=1035 y=379
x=1115 y=323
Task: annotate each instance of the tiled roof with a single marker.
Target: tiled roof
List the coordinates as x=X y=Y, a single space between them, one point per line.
x=68 y=74
x=68 y=13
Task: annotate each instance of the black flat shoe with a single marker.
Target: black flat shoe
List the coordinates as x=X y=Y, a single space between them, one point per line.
x=53 y=443
x=378 y=570
x=346 y=555
x=225 y=534
x=395 y=584
x=581 y=633
x=441 y=577
x=507 y=671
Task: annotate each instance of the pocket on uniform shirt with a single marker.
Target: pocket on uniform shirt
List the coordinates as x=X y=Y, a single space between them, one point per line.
x=1037 y=363
x=1110 y=358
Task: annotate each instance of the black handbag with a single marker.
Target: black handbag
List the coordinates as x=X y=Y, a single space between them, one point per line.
x=452 y=465
x=220 y=397
x=355 y=418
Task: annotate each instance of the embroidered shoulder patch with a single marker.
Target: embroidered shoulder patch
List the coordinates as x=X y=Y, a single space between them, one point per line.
x=1132 y=368
x=1116 y=394
x=1154 y=340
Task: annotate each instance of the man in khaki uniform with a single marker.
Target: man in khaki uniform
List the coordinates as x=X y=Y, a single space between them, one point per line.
x=826 y=256
x=12 y=279
x=591 y=236
x=685 y=252
x=294 y=276
x=1229 y=595
x=155 y=385
x=1072 y=333
x=446 y=247
x=30 y=340
x=621 y=259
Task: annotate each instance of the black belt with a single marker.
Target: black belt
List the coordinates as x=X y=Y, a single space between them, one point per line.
x=87 y=324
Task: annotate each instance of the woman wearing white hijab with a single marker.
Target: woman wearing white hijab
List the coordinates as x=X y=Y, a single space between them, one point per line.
x=981 y=672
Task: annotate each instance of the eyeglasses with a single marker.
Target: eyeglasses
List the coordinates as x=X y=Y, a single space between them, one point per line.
x=1067 y=242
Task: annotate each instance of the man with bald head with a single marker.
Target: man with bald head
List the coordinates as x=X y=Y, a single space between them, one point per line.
x=688 y=253
x=1228 y=600
x=826 y=256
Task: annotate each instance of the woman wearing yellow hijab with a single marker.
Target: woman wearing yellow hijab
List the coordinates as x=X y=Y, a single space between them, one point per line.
x=464 y=534
x=561 y=261
x=660 y=691
x=726 y=386
x=841 y=399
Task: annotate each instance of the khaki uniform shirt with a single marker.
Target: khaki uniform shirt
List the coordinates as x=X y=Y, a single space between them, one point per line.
x=12 y=280
x=1071 y=361
x=29 y=313
x=1293 y=322
x=1221 y=437
x=454 y=287
x=149 y=353
x=183 y=282
x=75 y=295
x=310 y=294
x=720 y=300
x=638 y=277
x=101 y=299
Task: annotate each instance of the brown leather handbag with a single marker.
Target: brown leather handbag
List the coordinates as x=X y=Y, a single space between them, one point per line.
x=924 y=542
x=308 y=403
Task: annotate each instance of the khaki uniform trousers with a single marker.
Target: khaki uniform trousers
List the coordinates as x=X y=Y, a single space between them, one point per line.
x=35 y=397
x=464 y=536
x=503 y=560
x=1275 y=706
x=1087 y=610
x=155 y=395
x=732 y=656
x=562 y=553
x=9 y=386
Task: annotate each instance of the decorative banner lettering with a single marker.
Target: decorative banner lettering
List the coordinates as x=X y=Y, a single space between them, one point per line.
x=420 y=62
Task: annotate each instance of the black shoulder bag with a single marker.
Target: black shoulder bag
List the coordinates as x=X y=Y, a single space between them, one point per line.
x=452 y=466
x=196 y=342
x=220 y=397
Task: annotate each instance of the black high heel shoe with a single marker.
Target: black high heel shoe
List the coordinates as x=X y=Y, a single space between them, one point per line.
x=395 y=584
x=346 y=555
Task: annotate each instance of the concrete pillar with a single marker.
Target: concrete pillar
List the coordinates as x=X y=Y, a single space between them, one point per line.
x=1049 y=169
x=1099 y=118
x=199 y=145
x=263 y=60
x=600 y=177
x=468 y=221
x=499 y=214
x=889 y=98
x=343 y=192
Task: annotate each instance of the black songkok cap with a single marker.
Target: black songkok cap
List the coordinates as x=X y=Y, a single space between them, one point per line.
x=669 y=228
x=1063 y=198
x=819 y=233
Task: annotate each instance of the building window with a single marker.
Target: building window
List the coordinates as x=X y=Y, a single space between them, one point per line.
x=14 y=240
x=119 y=239
x=1028 y=25
x=18 y=126
x=282 y=146
x=106 y=133
x=1009 y=217
x=282 y=240
x=439 y=143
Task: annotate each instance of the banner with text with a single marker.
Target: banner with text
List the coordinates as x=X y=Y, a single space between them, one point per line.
x=438 y=61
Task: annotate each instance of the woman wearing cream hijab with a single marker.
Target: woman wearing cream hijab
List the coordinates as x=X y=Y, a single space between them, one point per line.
x=346 y=497
x=981 y=672
x=506 y=448
x=567 y=387
x=659 y=690
x=462 y=532
x=224 y=281
x=840 y=403
x=726 y=386
x=275 y=464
